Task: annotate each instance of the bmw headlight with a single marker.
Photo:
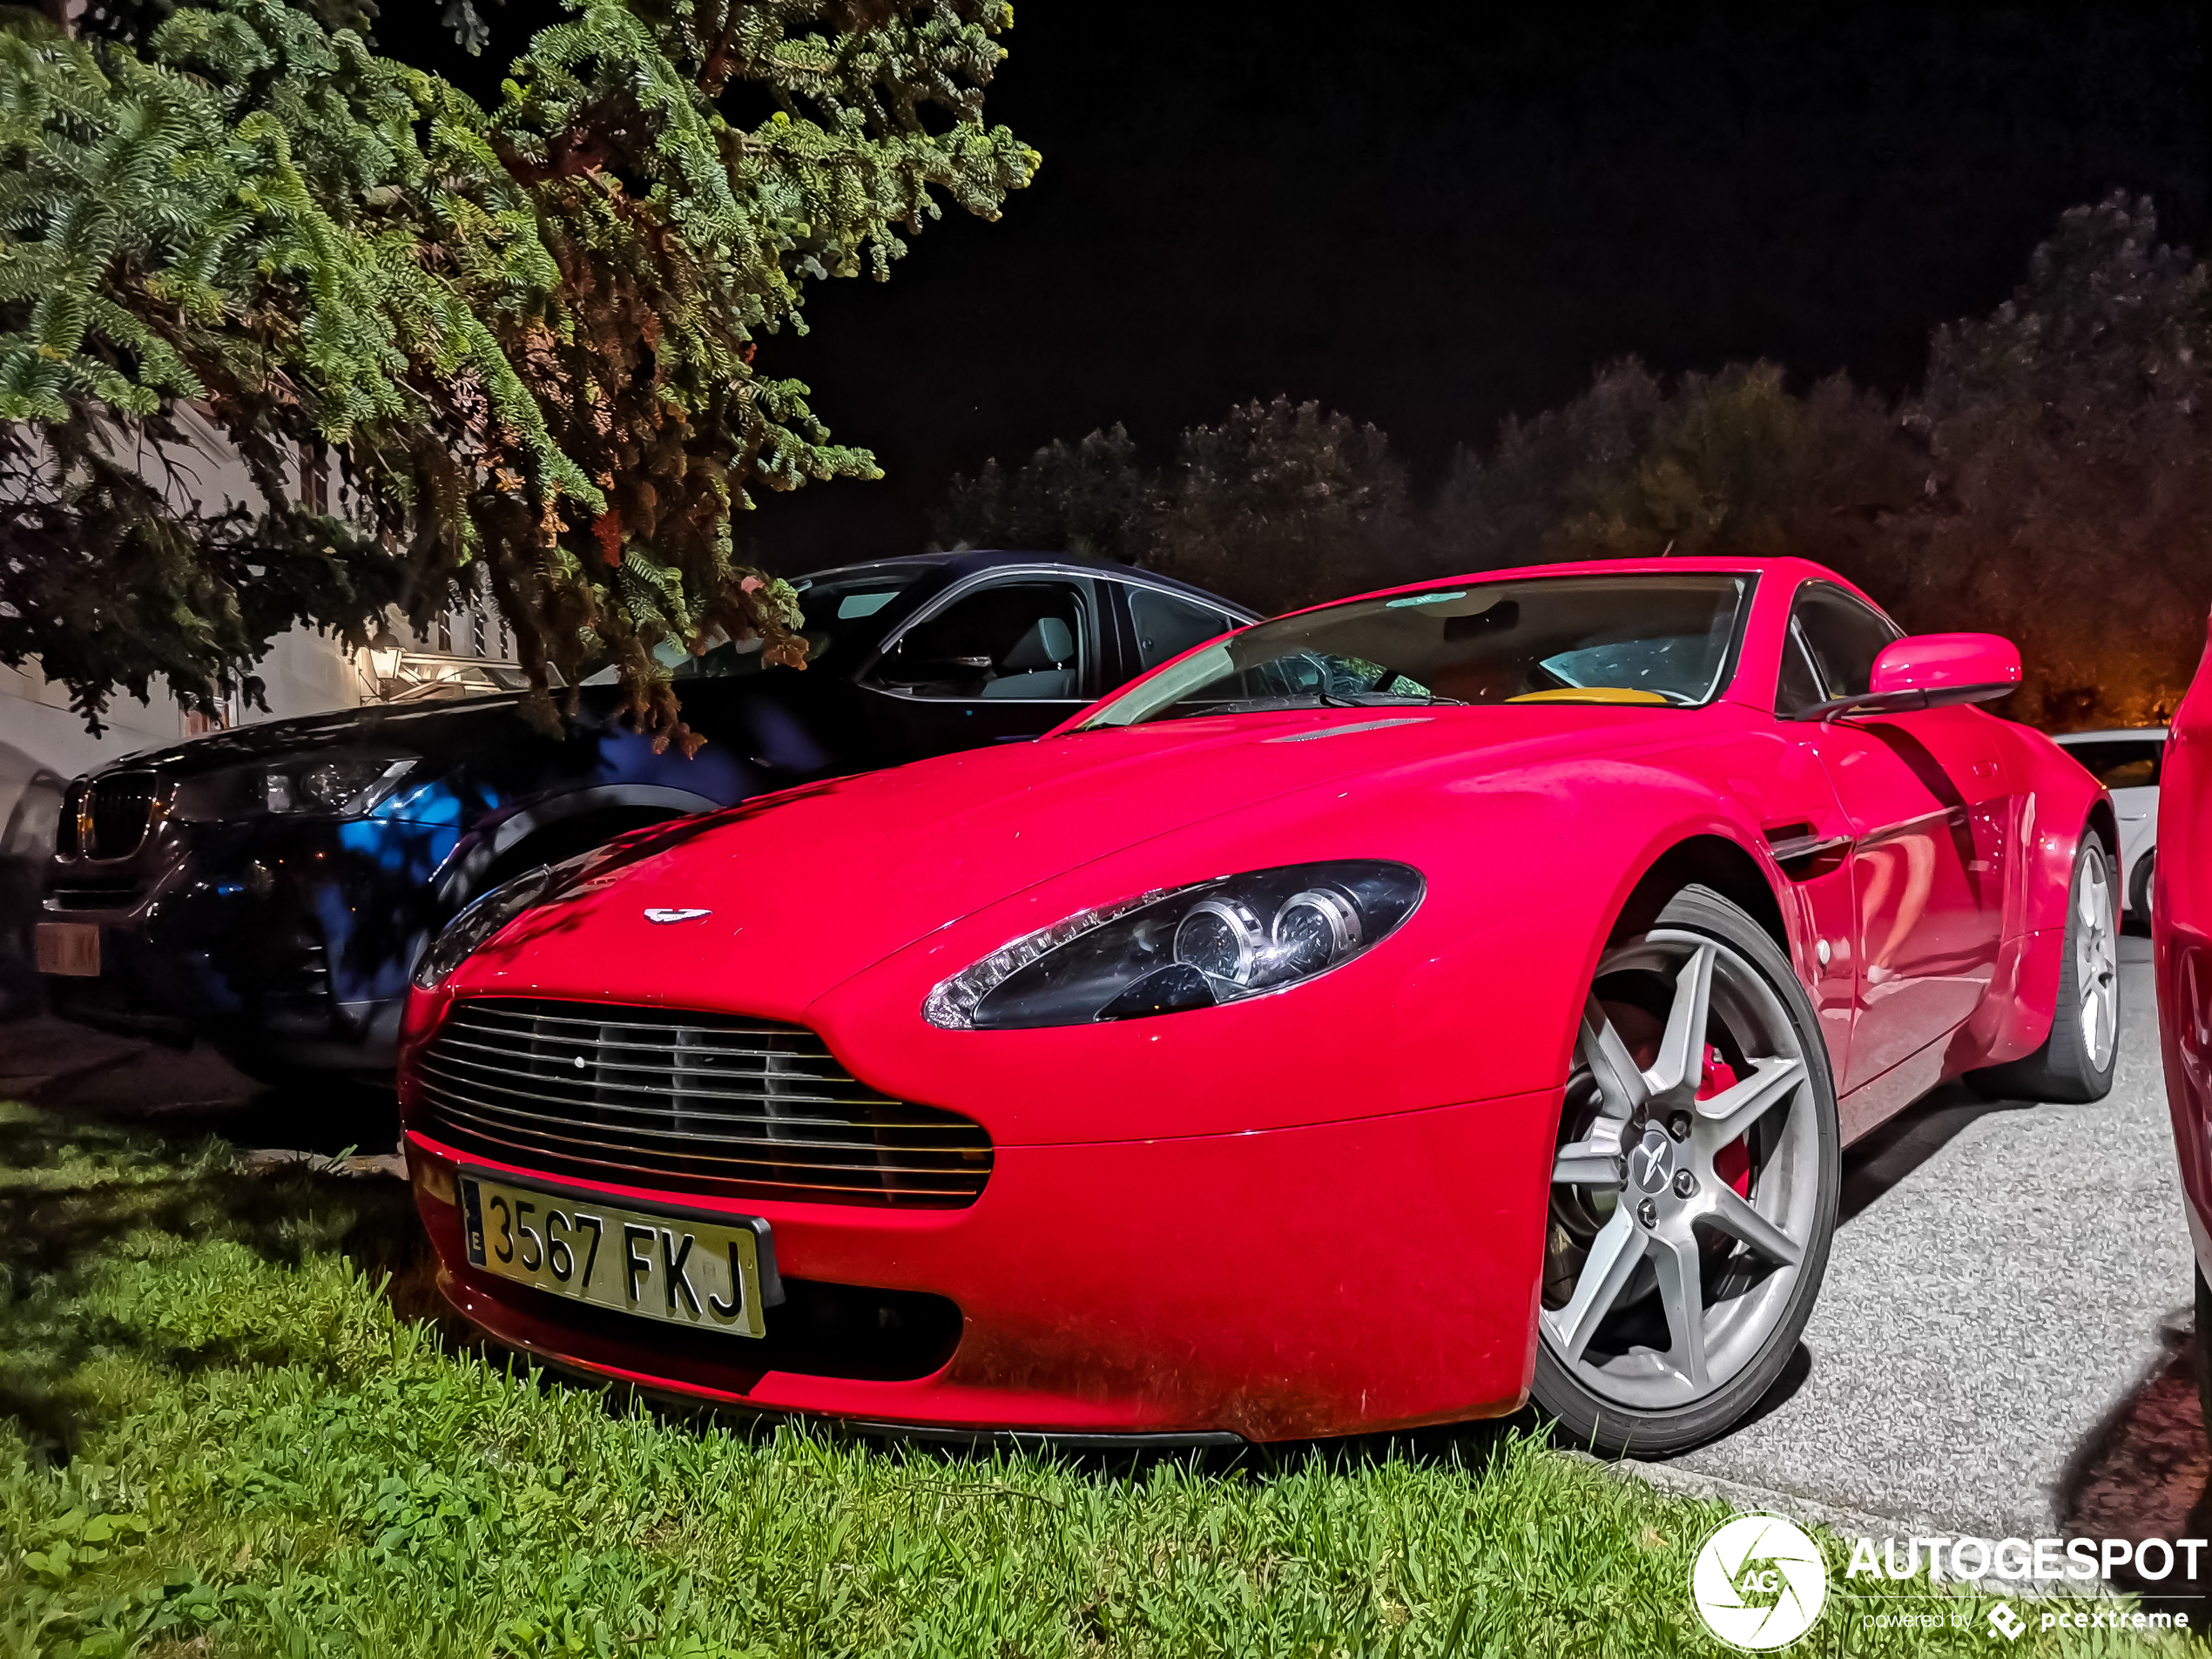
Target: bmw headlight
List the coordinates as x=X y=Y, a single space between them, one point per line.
x=479 y=920
x=1182 y=948
x=346 y=783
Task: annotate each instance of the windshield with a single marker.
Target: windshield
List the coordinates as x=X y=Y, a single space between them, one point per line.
x=835 y=610
x=842 y=609
x=1660 y=641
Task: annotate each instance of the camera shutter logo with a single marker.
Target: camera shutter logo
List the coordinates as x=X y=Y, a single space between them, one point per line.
x=1759 y=1583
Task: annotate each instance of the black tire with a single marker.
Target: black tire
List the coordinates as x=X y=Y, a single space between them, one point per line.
x=2066 y=1069
x=1583 y=1415
x=2138 y=887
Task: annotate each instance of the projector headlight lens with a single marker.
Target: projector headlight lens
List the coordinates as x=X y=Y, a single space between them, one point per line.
x=1177 y=948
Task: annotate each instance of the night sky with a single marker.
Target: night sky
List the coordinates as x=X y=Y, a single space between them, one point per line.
x=1432 y=217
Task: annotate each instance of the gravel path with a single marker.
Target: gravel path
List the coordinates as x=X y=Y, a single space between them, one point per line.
x=2008 y=1279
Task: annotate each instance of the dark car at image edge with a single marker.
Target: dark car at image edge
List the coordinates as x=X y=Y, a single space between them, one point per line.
x=269 y=887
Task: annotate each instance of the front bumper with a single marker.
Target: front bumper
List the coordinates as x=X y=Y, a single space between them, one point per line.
x=1372 y=1273
x=274 y=940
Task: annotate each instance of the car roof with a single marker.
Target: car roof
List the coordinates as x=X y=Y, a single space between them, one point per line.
x=1784 y=568
x=2109 y=734
x=963 y=563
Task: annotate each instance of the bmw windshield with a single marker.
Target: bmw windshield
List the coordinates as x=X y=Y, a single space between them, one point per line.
x=1661 y=641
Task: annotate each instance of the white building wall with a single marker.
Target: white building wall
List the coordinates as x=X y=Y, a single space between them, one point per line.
x=303 y=673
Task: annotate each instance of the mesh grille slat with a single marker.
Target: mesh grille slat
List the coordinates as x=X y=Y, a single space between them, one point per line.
x=730 y=1156
x=660 y=1084
x=768 y=1125
x=740 y=1106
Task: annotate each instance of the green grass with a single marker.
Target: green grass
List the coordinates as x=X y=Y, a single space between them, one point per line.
x=233 y=1421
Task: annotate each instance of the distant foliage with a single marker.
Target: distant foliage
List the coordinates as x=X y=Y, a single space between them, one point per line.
x=524 y=336
x=2051 y=481
x=1281 y=502
x=2068 y=488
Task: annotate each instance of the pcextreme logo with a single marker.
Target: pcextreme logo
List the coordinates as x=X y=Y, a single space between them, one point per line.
x=1759 y=1583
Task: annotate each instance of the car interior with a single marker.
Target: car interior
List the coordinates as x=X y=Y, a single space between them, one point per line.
x=1019 y=640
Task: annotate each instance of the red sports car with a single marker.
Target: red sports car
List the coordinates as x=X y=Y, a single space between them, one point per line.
x=1365 y=1020
x=2180 y=926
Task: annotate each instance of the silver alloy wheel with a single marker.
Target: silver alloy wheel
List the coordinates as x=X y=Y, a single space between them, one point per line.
x=1683 y=1280
x=2096 y=968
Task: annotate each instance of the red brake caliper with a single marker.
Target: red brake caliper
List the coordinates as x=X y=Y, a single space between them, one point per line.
x=1733 y=1162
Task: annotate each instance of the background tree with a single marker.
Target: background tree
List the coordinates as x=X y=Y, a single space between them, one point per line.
x=1093 y=497
x=1280 y=504
x=2051 y=481
x=524 y=336
x=2067 y=496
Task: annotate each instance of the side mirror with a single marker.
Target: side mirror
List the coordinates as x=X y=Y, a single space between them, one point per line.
x=1929 y=671
x=1950 y=668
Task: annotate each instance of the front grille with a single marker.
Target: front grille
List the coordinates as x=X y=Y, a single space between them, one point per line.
x=720 y=1103
x=108 y=817
x=95 y=893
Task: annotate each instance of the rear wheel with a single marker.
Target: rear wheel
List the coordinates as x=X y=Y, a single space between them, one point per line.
x=2077 y=1060
x=1694 y=1187
x=2139 y=887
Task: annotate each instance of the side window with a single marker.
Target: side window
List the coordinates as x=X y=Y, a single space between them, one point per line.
x=1167 y=624
x=1844 y=636
x=1796 y=689
x=1020 y=639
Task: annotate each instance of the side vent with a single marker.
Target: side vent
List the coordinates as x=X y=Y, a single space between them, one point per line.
x=1804 y=852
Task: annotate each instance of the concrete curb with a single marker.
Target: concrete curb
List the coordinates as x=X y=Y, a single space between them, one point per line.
x=1737 y=1494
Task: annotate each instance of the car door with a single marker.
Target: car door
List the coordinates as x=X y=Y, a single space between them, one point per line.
x=1004 y=659
x=1928 y=805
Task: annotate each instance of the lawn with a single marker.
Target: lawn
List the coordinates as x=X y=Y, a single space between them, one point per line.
x=234 y=1421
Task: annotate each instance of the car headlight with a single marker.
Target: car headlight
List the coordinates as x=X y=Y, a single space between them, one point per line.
x=479 y=919
x=337 y=783
x=1182 y=948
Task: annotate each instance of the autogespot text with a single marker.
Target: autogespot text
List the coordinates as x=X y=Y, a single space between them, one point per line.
x=2024 y=1561
x=2034 y=1563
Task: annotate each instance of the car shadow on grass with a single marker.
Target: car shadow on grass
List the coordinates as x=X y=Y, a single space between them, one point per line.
x=73 y=1189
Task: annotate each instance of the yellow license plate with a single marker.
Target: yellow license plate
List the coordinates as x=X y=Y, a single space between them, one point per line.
x=71 y=947
x=716 y=1274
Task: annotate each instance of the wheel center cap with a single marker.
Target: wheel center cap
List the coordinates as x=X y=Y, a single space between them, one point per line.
x=1651 y=1165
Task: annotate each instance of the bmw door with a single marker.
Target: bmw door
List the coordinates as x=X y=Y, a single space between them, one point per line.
x=1001 y=660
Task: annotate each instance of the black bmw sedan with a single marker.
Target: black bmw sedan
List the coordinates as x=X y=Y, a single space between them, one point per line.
x=269 y=887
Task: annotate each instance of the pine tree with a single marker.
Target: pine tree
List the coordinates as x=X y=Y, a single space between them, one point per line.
x=524 y=336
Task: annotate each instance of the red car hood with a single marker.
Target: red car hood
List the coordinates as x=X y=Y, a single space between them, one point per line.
x=804 y=890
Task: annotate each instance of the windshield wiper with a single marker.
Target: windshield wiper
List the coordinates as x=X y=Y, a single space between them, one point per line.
x=1382 y=699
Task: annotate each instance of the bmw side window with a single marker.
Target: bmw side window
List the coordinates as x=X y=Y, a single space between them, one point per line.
x=1019 y=640
x=1167 y=624
x=1844 y=636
